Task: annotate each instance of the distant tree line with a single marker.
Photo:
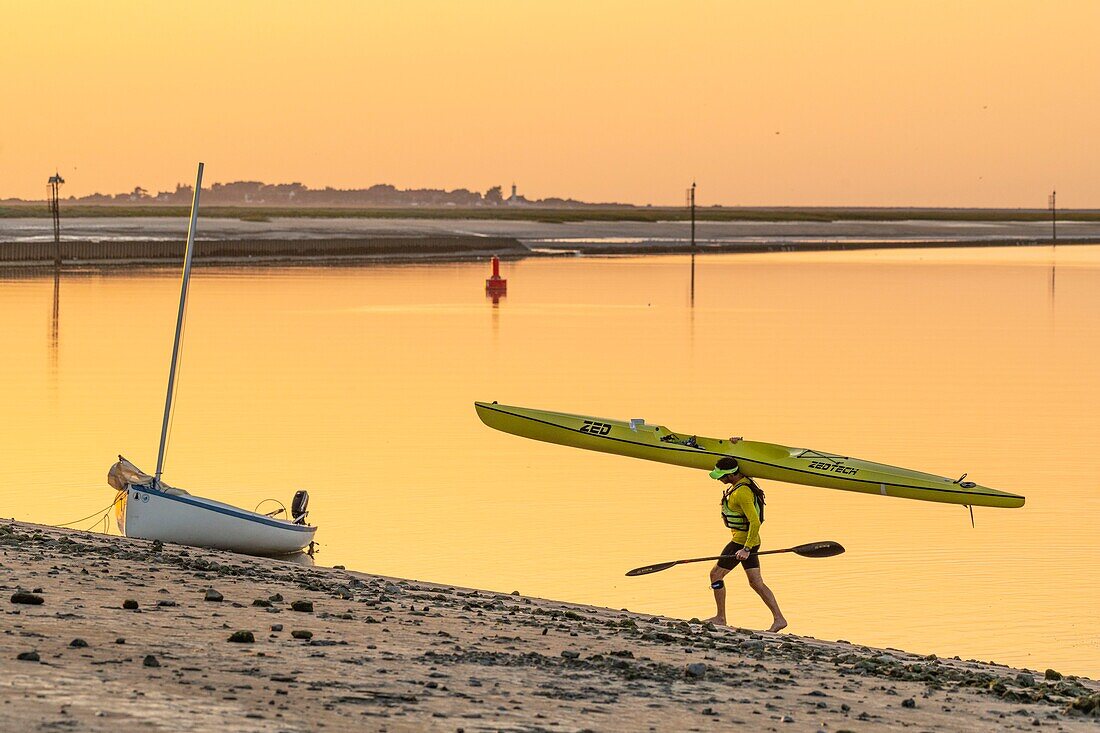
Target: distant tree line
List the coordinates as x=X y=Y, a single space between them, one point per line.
x=256 y=193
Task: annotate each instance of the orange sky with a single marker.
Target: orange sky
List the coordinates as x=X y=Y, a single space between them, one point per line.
x=785 y=103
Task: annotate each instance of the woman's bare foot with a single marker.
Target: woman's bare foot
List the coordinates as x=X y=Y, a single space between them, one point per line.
x=778 y=625
x=719 y=621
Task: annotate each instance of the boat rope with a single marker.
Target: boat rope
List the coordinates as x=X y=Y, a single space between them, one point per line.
x=101 y=519
x=95 y=514
x=833 y=457
x=271 y=513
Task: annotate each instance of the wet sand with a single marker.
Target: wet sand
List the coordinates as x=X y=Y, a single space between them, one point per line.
x=327 y=648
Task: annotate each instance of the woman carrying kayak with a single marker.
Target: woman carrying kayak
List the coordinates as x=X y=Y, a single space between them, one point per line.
x=742 y=512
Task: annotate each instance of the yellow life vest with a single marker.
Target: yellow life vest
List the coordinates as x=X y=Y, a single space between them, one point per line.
x=734 y=518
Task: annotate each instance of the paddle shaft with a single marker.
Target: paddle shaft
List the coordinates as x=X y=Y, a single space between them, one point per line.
x=731 y=557
x=813 y=549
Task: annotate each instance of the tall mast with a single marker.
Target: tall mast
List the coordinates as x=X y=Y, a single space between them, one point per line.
x=179 y=322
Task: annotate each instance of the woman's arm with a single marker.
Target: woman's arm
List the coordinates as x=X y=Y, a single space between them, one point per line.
x=745 y=503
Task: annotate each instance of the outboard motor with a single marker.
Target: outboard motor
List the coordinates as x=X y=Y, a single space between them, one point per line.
x=298 y=506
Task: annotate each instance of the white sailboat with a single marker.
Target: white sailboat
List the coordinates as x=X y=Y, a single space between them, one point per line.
x=147 y=508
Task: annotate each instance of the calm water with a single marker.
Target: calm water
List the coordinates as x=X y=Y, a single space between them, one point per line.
x=357 y=384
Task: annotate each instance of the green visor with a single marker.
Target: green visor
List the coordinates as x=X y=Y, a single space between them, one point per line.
x=720 y=472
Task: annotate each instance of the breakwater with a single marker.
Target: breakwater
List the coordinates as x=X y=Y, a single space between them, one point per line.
x=76 y=252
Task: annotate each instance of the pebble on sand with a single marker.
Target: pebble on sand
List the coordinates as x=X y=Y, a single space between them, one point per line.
x=301 y=634
x=1088 y=705
x=78 y=643
x=213 y=596
x=697 y=670
x=130 y=604
x=150 y=661
x=303 y=606
x=28 y=656
x=28 y=598
x=242 y=637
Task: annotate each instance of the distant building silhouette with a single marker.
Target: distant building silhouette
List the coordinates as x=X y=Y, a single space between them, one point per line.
x=257 y=193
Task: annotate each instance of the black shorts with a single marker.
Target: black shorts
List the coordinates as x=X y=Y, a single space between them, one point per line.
x=731 y=562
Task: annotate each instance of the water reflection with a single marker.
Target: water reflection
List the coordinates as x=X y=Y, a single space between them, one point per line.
x=357 y=383
x=692 y=295
x=299 y=558
x=54 y=323
x=1053 y=271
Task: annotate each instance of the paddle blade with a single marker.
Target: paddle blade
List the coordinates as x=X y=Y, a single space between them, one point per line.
x=652 y=568
x=818 y=549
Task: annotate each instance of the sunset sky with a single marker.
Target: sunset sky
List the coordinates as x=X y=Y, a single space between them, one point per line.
x=763 y=103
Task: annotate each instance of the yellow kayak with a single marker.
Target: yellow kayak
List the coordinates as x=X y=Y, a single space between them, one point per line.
x=758 y=460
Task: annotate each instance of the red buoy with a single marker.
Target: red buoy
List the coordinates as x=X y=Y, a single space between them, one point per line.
x=496 y=286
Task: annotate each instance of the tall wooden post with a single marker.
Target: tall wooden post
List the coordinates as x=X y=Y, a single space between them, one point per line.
x=692 y=195
x=1053 y=201
x=55 y=210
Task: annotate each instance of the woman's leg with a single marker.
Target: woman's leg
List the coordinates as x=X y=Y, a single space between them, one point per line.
x=756 y=582
x=717 y=573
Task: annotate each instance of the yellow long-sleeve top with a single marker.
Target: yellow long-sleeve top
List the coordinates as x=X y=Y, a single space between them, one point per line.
x=740 y=501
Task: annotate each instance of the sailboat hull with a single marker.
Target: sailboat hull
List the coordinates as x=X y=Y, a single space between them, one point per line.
x=146 y=513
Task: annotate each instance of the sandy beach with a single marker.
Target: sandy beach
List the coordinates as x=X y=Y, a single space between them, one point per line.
x=106 y=634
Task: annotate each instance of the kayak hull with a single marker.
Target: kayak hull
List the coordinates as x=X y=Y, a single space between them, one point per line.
x=768 y=461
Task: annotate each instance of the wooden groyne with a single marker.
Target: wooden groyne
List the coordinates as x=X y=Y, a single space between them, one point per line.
x=76 y=252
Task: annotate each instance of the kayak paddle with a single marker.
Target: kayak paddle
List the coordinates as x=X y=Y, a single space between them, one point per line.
x=813 y=549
